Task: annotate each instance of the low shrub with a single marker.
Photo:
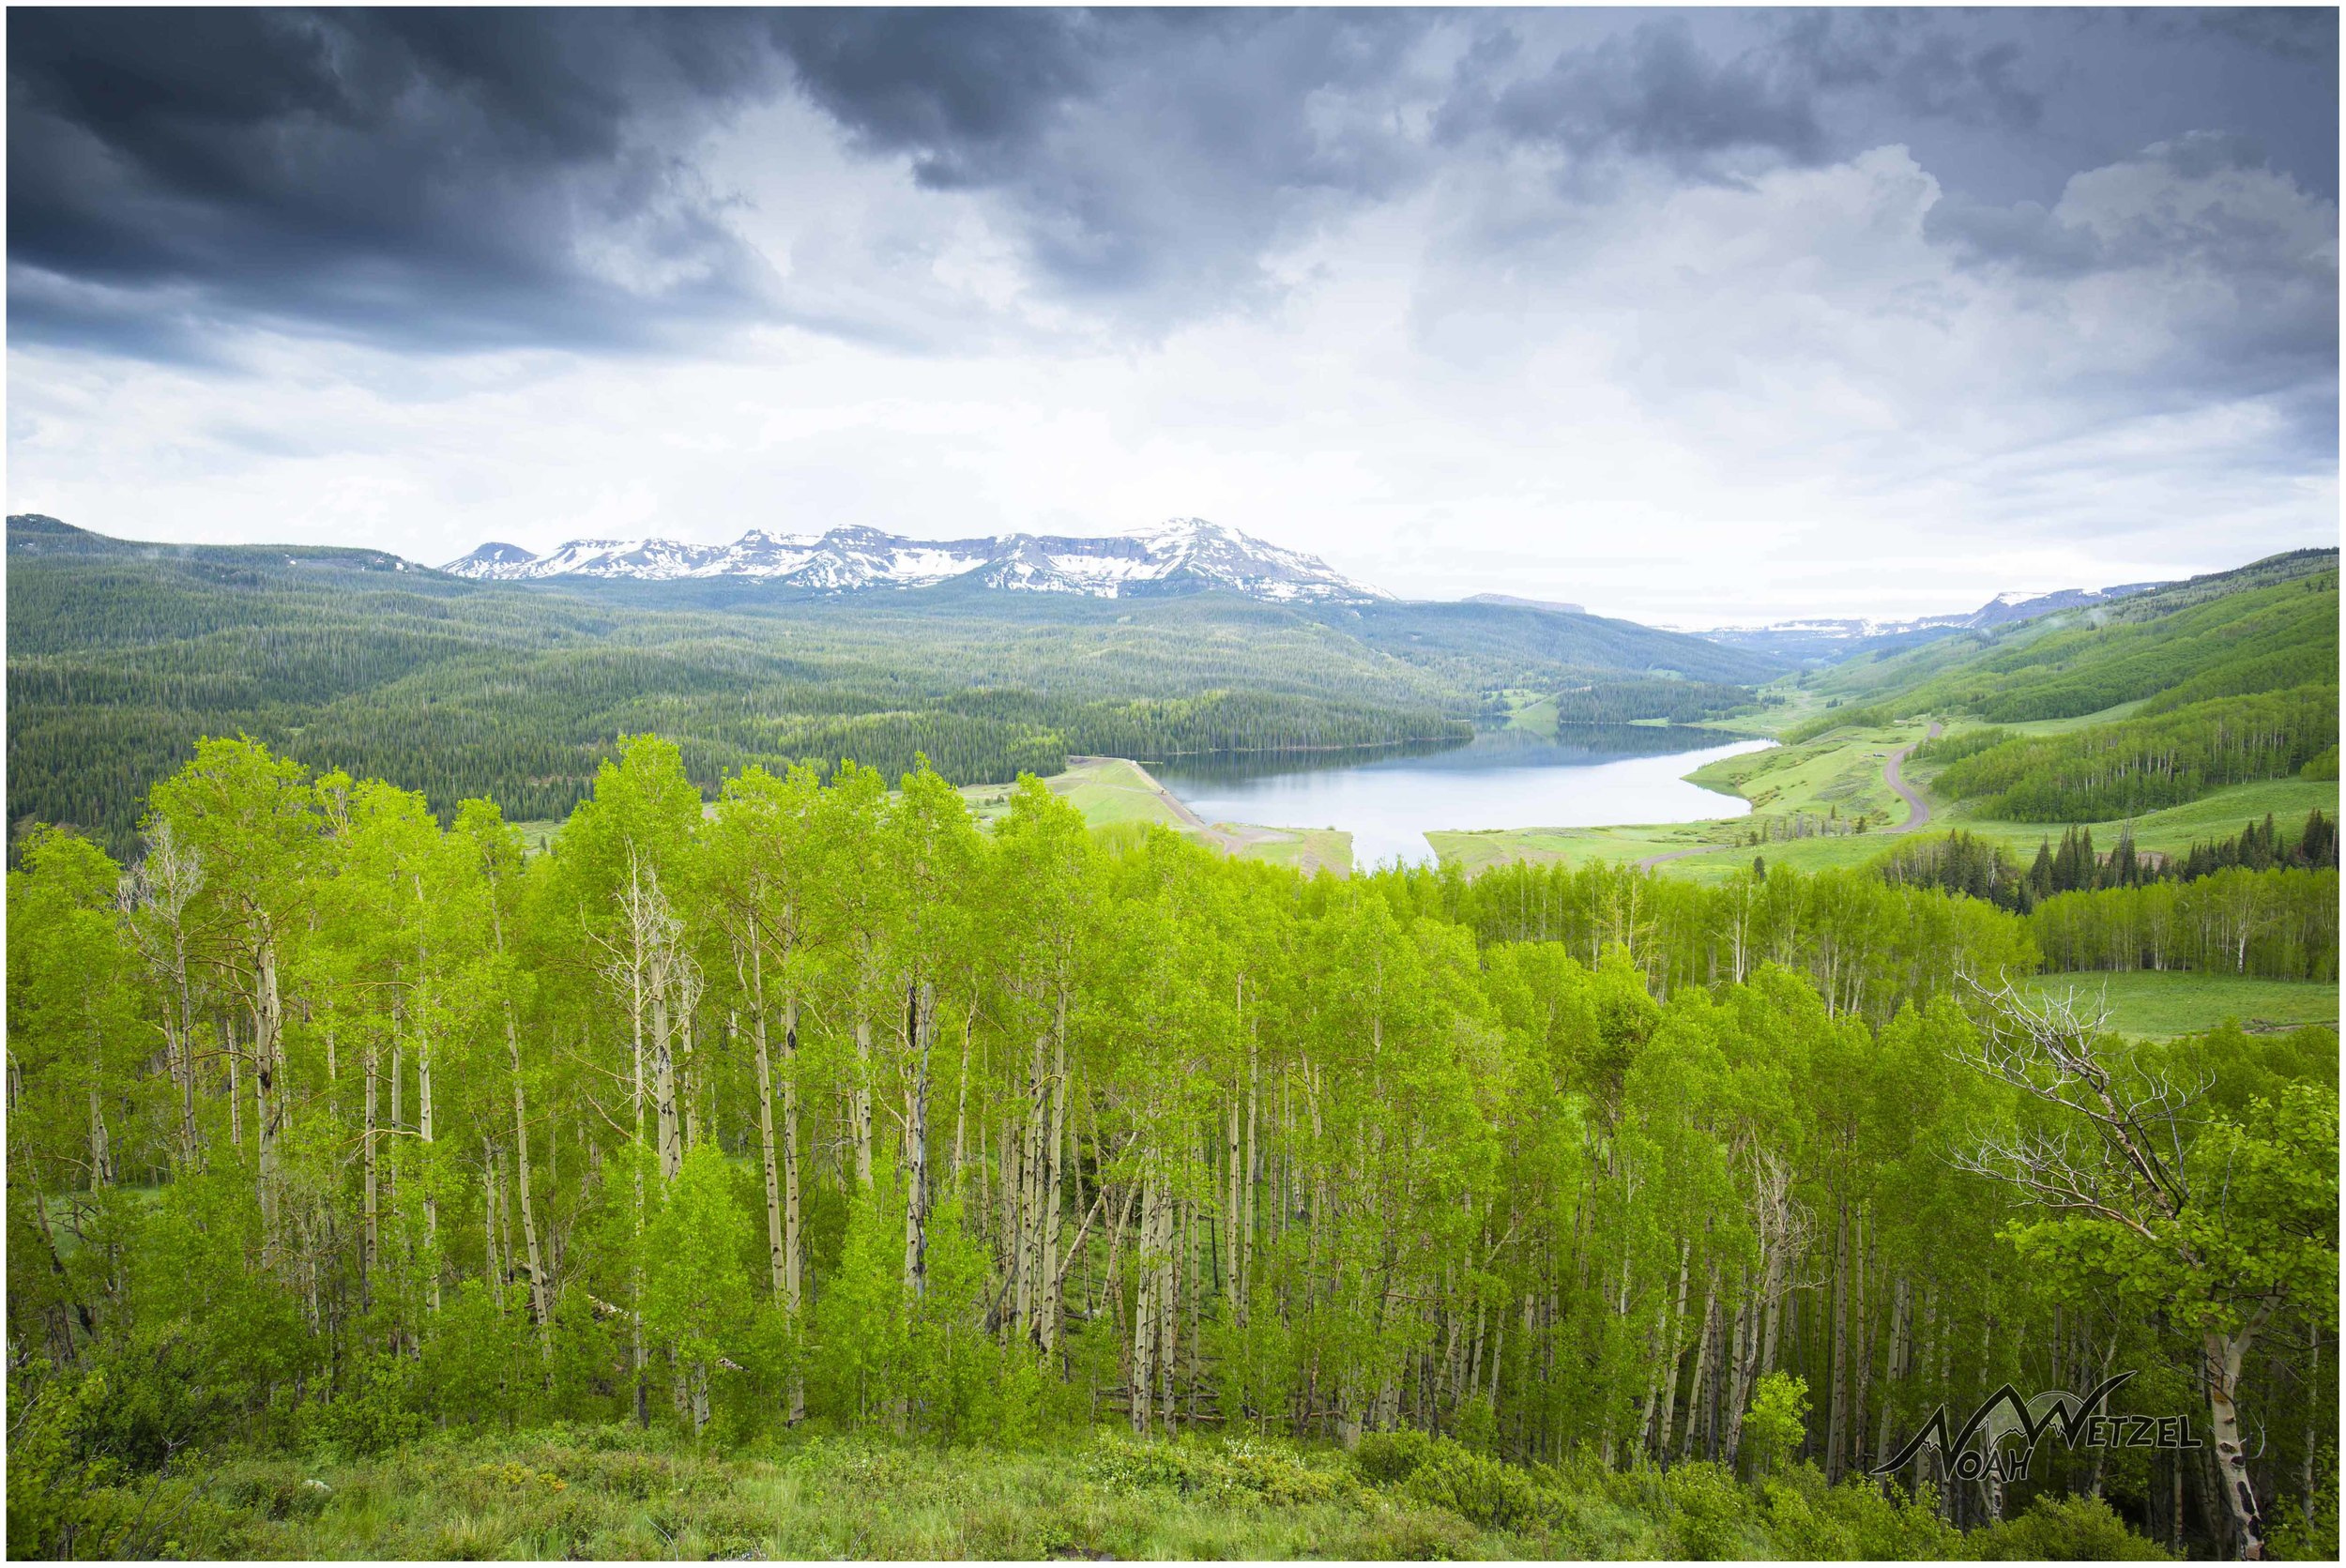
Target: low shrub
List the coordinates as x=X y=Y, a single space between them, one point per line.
x=2062 y=1529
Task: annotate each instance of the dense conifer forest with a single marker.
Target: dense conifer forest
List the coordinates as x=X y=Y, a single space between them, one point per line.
x=336 y=1127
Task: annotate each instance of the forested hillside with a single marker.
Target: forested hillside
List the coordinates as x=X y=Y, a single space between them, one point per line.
x=121 y=656
x=2138 y=763
x=2262 y=628
x=2219 y=680
x=831 y=1112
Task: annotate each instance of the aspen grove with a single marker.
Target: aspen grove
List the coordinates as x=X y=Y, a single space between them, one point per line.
x=333 y=1123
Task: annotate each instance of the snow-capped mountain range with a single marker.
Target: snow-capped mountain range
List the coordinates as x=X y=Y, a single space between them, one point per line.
x=1184 y=555
x=1834 y=638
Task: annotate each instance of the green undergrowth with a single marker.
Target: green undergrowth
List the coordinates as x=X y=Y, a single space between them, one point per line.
x=613 y=1492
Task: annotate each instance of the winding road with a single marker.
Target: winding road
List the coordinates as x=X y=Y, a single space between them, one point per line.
x=1919 y=814
x=1918 y=809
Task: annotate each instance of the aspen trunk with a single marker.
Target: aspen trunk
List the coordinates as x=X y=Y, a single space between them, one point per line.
x=2224 y=1354
x=860 y=1104
x=1027 y=1201
x=1189 y=1295
x=1893 y=1374
x=2313 y=1433
x=1837 y=1421
x=492 y=1265
x=1238 y=1158
x=1055 y=1174
x=919 y=1026
x=100 y=1157
x=1935 y=1372
x=1862 y=1385
x=1677 y=1354
x=269 y=1019
x=540 y=1307
x=689 y=1085
x=961 y=1101
x=1142 y=1381
x=1168 y=1306
x=664 y=1090
x=636 y=1355
x=793 y=1252
x=1243 y=1265
x=1745 y=1343
x=370 y=1236
x=188 y=1146
x=765 y=1127
x=1704 y=1361
x=423 y=1134
x=505 y=1222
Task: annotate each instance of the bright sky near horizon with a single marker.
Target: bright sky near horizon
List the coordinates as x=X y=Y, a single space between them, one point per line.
x=1689 y=316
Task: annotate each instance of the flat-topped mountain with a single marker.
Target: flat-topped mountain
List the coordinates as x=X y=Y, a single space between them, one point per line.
x=1182 y=555
x=1558 y=605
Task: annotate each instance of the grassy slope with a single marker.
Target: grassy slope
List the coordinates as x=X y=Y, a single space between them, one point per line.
x=2217 y=815
x=612 y=1493
x=1841 y=772
x=1107 y=791
x=2161 y=1006
x=1114 y=793
x=1307 y=850
x=2074 y=662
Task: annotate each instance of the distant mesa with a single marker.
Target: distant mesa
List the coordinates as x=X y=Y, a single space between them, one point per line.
x=1513 y=603
x=1184 y=555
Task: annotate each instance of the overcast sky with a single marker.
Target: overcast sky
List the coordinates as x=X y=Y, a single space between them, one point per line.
x=1694 y=317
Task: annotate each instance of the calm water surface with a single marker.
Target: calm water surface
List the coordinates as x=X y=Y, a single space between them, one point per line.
x=1591 y=776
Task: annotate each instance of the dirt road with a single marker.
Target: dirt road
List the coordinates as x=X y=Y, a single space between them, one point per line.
x=1918 y=809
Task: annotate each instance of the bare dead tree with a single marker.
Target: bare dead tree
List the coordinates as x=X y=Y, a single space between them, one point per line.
x=153 y=898
x=2112 y=1147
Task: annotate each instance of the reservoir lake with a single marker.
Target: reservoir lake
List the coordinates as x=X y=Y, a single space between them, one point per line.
x=1588 y=776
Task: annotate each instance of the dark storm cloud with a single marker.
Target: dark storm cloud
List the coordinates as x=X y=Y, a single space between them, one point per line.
x=425 y=178
x=1918 y=59
x=438 y=180
x=968 y=93
x=1149 y=156
x=454 y=179
x=1654 y=92
x=2295 y=32
x=1689 y=90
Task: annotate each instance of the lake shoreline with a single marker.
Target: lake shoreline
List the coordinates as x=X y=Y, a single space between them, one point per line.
x=1592 y=776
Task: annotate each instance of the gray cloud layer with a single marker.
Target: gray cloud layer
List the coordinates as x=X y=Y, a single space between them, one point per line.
x=465 y=178
x=432 y=178
x=1819 y=233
